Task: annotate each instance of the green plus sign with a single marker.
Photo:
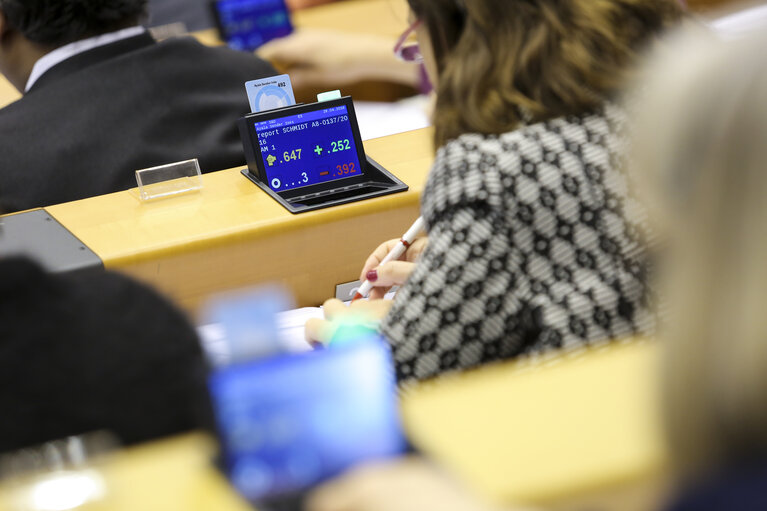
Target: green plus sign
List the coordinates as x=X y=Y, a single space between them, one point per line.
x=318 y=150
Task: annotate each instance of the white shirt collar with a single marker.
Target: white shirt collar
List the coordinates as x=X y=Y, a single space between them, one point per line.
x=70 y=50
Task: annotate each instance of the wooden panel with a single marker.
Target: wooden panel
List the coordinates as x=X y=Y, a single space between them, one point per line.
x=708 y=5
x=232 y=234
x=169 y=475
x=379 y=17
x=565 y=430
x=309 y=261
x=8 y=93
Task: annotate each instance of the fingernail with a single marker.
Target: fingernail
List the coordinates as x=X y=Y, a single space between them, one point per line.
x=317 y=345
x=372 y=275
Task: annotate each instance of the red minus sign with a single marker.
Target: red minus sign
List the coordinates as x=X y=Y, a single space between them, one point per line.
x=324 y=173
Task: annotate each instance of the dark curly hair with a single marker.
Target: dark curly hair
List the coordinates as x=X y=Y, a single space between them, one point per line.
x=58 y=22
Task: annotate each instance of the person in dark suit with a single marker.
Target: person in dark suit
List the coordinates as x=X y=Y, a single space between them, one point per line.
x=94 y=351
x=102 y=99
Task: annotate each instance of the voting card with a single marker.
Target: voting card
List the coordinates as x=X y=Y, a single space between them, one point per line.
x=270 y=93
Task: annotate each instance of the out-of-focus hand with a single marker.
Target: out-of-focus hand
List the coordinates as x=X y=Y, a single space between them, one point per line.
x=410 y=484
x=366 y=312
x=326 y=58
x=393 y=273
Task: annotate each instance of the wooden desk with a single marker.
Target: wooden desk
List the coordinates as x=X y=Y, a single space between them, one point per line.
x=568 y=433
x=378 y=17
x=8 y=93
x=233 y=235
x=171 y=475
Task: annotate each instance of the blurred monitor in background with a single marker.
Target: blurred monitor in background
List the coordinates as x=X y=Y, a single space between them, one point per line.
x=197 y=14
x=94 y=351
x=245 y=25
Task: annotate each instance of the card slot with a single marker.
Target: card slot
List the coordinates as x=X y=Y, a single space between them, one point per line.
x=334 y=195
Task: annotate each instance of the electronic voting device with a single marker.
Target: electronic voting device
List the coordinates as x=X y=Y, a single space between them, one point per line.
x=310 y=156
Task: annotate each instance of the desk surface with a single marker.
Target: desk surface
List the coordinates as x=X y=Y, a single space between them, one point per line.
x=8 y=93
x=379 y=17
x=542 y=433
x=121 y=229
x=171 y=475
x=232 y=234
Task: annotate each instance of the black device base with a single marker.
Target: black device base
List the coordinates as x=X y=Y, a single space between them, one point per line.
x=39 y=236
x=379 y=182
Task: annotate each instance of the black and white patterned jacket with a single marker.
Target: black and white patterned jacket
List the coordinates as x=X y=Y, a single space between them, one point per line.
x=534 y=243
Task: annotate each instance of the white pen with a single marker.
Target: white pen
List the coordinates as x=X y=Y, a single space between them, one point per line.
x=396 y=252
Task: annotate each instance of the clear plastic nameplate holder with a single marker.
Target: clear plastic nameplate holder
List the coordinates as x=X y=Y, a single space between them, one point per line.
x=170 y=180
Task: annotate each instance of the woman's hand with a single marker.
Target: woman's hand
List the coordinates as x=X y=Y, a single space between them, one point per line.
x=411 y=484
x=367 y=312
x=361 y=312
x=393 y=273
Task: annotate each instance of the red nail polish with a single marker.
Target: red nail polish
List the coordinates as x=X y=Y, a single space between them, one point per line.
x=372 y=275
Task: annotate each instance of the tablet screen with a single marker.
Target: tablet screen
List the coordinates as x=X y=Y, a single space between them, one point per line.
x=247 y=24
x=308 y=148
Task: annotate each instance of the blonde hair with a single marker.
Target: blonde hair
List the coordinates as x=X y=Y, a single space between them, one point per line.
x=702 y=142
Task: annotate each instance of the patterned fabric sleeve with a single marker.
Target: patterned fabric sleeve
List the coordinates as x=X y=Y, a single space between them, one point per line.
x=463 y=304
x=447 y=316
x=532 y=246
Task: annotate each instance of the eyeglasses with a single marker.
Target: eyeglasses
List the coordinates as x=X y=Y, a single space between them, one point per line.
x=409 y=52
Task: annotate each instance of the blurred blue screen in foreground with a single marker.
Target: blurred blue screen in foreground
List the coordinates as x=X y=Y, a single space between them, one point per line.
x=291 y=421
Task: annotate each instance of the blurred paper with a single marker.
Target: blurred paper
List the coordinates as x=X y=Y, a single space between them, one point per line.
x=741 y=23
x=383 y=119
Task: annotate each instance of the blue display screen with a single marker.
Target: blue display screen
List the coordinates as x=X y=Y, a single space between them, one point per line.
x=291 y=421
x=309 y=148
x=247 y=24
